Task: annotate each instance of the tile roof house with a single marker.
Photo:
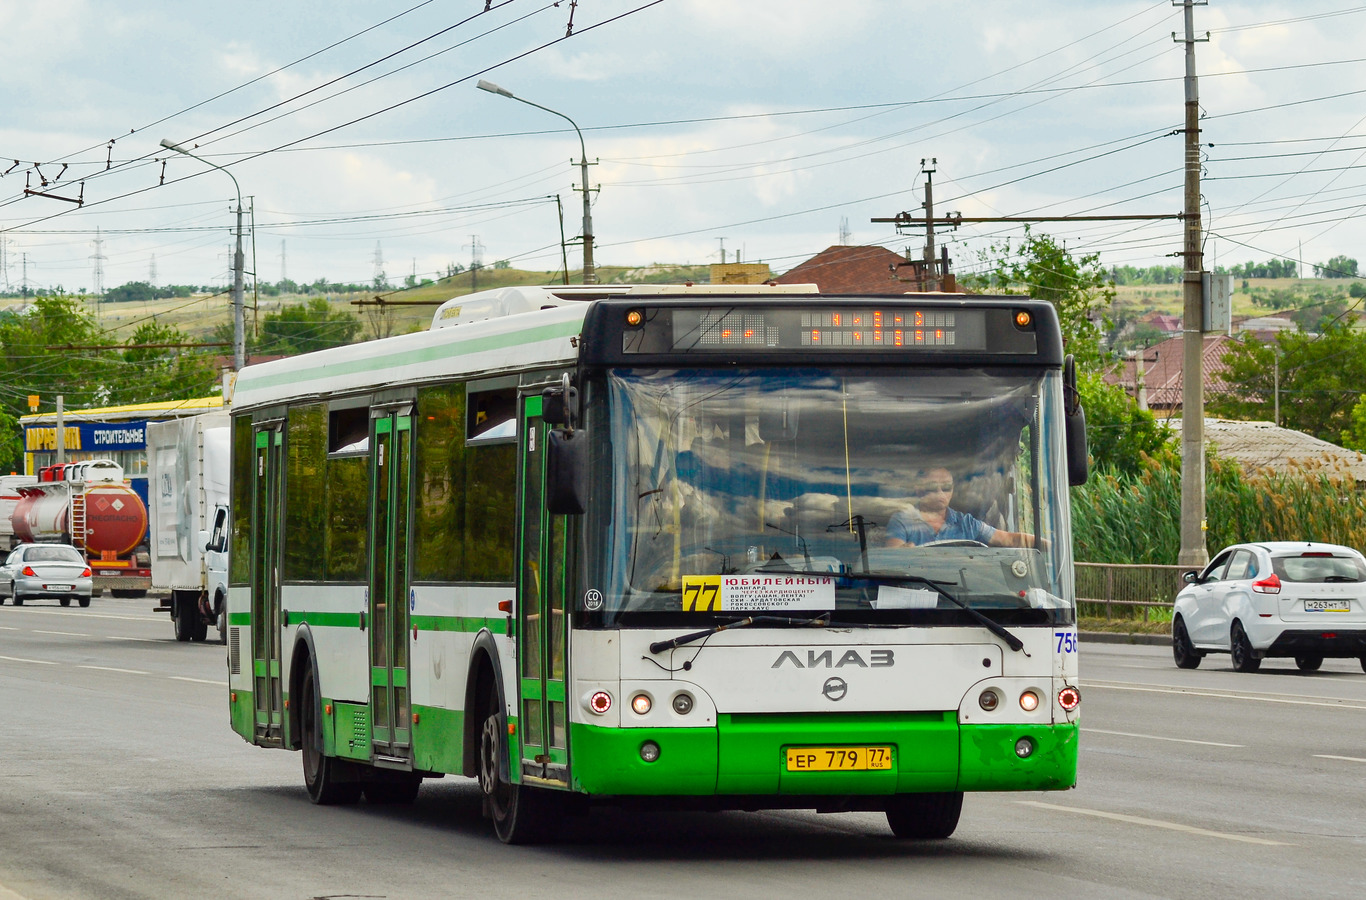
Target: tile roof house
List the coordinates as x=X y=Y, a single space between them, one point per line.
x=853 y=270
x=1162 y=366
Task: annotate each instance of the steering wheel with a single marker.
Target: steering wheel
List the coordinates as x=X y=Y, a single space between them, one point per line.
x=956 y=542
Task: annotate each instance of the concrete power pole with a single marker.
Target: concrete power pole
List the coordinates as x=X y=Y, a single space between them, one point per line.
x=1193 y=550
x=929 y=282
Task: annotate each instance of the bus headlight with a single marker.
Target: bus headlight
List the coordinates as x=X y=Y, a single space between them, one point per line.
x=682 y=703
x=649 y=751
x=640 y=704
x=1029 y=701
x=599 y=702
x=1024 y=748
x=989 y=700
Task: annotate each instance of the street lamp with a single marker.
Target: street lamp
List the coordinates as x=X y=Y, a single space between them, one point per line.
x=590 y=276
x=239 y=329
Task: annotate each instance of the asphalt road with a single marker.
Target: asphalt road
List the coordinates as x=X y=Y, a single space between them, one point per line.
x=119 y=778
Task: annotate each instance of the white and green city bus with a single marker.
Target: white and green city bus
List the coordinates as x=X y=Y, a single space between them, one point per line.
x=638 y=546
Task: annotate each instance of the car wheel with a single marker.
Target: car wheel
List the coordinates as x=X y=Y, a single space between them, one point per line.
x=1244 y=657
x=182 y=615
x=1184 y=652
x=1363 y=663
x=1308 y=663
x=925 y=817
x=83 y=601
x=64 y=601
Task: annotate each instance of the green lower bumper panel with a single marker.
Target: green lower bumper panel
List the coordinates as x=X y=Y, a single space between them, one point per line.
x=991 y=763
x=747 y=755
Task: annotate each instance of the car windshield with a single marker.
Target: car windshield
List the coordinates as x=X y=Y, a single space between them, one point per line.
x=53 y=554
x=1318 y=568
x=845 y=491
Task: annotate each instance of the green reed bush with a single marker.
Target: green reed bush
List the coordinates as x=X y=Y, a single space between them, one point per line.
x=1136 y=518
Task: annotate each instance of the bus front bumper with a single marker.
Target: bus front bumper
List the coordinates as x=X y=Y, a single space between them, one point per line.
x=746 y=755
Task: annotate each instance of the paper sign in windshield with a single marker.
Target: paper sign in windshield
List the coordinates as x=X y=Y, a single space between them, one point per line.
x=745 y=593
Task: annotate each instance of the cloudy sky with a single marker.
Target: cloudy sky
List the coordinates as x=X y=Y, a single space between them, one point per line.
x=764 y=127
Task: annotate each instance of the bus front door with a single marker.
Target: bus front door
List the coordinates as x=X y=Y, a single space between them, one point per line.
x=541 y=634
x=267 y=497
x=390 y=475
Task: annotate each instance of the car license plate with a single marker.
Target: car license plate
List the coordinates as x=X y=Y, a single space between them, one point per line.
x=838 y=759
x=57 y=587
x=1328 y=606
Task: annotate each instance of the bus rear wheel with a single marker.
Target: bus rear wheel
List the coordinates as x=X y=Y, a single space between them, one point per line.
x=322 y=773
x=518 y=812
x=924 y=817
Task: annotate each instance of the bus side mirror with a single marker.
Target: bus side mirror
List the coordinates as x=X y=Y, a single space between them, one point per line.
x=1078 y=468
x=566 y=472
x=560 y=405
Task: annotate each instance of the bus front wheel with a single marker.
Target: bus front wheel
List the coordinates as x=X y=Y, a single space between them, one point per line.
x=924 y=817
x=323 y=774
x=518 y=812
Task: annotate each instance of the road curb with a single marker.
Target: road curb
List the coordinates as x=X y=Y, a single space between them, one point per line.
x=1114 y=637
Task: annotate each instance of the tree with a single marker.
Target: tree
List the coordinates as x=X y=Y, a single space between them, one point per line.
x=308 y=327
x=1337 y=267
x=1079 y=289
x=1120 y=435
x=1319 y=380
x=153 y=374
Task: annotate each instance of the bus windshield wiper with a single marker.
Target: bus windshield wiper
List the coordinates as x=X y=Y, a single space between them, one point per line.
x=892 y=578
x=820 y=621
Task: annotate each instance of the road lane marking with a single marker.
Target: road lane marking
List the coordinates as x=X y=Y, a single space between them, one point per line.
x=119 y=637
x=1154 y=737
x=112 y=669
x=86 y=615
x=1343 y=758
x=62 y=633
x=41 y=662
x=1156 y=823
x=1331 y=702
x=221 y=684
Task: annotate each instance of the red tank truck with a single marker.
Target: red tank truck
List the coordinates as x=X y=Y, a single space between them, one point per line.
x=88 y=505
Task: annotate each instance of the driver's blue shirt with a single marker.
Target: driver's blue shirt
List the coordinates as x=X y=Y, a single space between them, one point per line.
x=907 y=526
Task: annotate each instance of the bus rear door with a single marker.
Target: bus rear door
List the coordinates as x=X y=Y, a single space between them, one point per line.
x=268 y=497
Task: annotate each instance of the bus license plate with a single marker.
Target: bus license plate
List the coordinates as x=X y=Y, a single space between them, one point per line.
x=1328 y=606
x=838 y=759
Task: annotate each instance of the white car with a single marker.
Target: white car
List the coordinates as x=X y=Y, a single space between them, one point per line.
x=1286 y=599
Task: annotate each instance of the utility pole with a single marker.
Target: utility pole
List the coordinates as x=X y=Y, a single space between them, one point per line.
x=4 y=261
x=930 y=281
x=1193 y=550
x=238 y=319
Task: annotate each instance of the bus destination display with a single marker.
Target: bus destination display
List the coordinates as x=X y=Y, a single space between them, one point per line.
x=828 y=329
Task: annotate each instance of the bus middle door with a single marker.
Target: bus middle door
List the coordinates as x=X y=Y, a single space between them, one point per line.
x=390 y=476
x=541 y=635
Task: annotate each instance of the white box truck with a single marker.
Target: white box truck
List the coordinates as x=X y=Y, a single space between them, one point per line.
x=188 y=470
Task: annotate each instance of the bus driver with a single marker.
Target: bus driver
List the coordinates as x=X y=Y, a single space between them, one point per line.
x=932 y=519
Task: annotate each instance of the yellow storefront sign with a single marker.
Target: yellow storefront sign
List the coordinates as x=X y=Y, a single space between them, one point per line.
x=46 y=438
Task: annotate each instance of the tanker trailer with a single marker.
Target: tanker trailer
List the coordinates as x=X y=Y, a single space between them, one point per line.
x=105 y=521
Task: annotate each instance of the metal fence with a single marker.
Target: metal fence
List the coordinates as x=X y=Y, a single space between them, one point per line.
x=1118 y=591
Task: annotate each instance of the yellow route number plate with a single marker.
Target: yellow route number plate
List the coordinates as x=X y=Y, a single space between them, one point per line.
x=838 y=759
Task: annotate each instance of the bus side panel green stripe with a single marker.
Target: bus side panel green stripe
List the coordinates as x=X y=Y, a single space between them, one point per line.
x=470 y=624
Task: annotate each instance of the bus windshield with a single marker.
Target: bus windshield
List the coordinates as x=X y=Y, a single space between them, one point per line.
x=883 y=495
